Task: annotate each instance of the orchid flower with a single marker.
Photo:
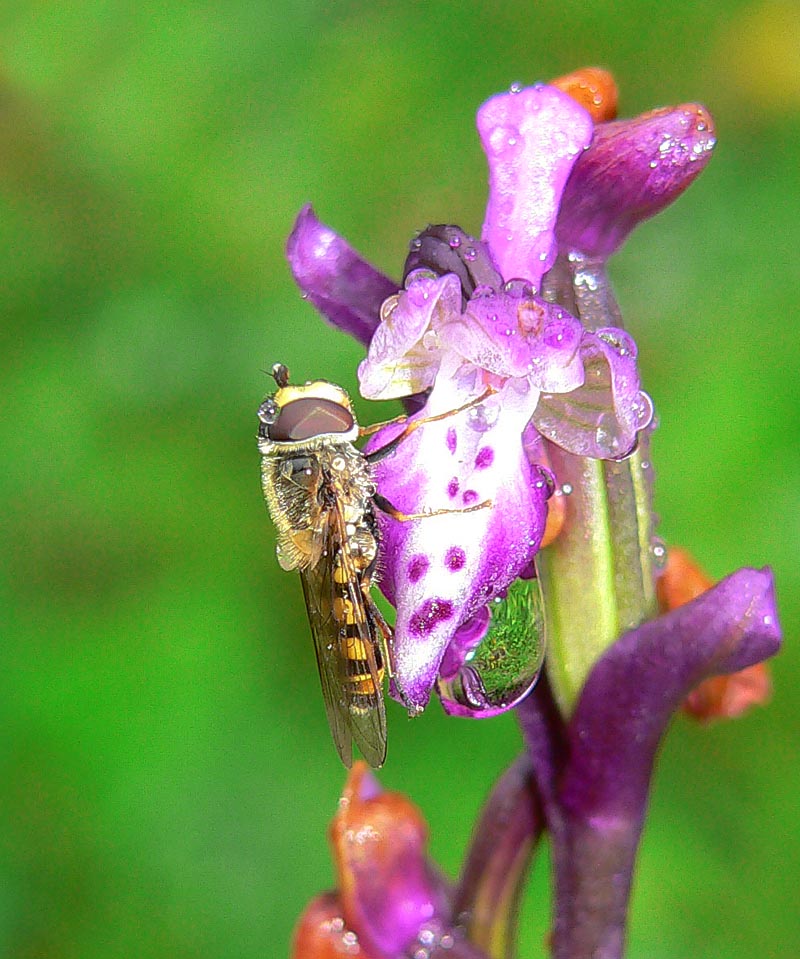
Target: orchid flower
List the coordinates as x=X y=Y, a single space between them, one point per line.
x=455 y=333
x=632 y=631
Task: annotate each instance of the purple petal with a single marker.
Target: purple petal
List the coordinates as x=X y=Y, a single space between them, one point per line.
x=489 y=336
x=632 y=170
x=531 y=139
x=508 y=334
x=441 y=570
x=643 y=678
x=346 y=290
x=602 y=417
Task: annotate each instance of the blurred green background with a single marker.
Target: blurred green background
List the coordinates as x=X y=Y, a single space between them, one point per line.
x=167 y=775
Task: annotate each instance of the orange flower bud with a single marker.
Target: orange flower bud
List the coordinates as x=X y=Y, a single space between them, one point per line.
x=387 y=888
x=726 y=697
x=681 y=580
x=322 y=933
x=594 y=89
x=556 y=514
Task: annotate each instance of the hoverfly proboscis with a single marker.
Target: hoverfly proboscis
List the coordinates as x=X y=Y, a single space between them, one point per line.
x=321 y=495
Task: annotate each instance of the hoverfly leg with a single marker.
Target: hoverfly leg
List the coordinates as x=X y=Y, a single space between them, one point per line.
x=385 y=506
x=377 y=455
x=386 y=634
x=369 y=430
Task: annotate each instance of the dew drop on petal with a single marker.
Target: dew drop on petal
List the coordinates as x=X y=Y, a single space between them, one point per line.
x=644 y=410
x=518 y=287
x=607 y=436
x=482 y=418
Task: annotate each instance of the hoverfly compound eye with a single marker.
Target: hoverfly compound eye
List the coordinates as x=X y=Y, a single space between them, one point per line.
x=268 y=412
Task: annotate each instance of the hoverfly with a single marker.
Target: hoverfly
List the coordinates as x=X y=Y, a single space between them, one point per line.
x=321 y=495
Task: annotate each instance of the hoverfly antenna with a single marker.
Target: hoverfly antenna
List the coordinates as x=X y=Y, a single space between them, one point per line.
x=280 y=374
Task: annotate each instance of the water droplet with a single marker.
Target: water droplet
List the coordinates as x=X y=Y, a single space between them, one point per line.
x=653 y=164
x=644 y=410
x=518 y=287
x=470 y=253
x=482 y=418
x=350 y=940
x=607 y=436
x=454 y=241
x=516 y=87
x=659 y=551
x=430 y=340
x=416 y=243
x=482 y=290
x=566 y=489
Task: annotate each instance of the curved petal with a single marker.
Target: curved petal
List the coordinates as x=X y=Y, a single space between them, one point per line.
x=346 y=290
x=632 y=170
x=718 y=697
x=532 y=138
x=489 y=336
x=441 y=570
x=602 y=417
x=641 y=680
x=388 y=889
x=405 y=351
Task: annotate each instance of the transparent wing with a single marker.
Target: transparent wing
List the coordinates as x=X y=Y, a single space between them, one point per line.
x=344 y=641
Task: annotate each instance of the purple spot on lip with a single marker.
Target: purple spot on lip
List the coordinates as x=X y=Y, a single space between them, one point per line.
x=484 y=458
x=455 y=558
x=469 y=497
x=432 y=612
x=452 y=487
x=417 y=567
x=452 y=439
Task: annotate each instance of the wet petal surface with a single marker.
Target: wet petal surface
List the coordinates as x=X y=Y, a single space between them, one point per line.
x=532 y=139
x=344 y=287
